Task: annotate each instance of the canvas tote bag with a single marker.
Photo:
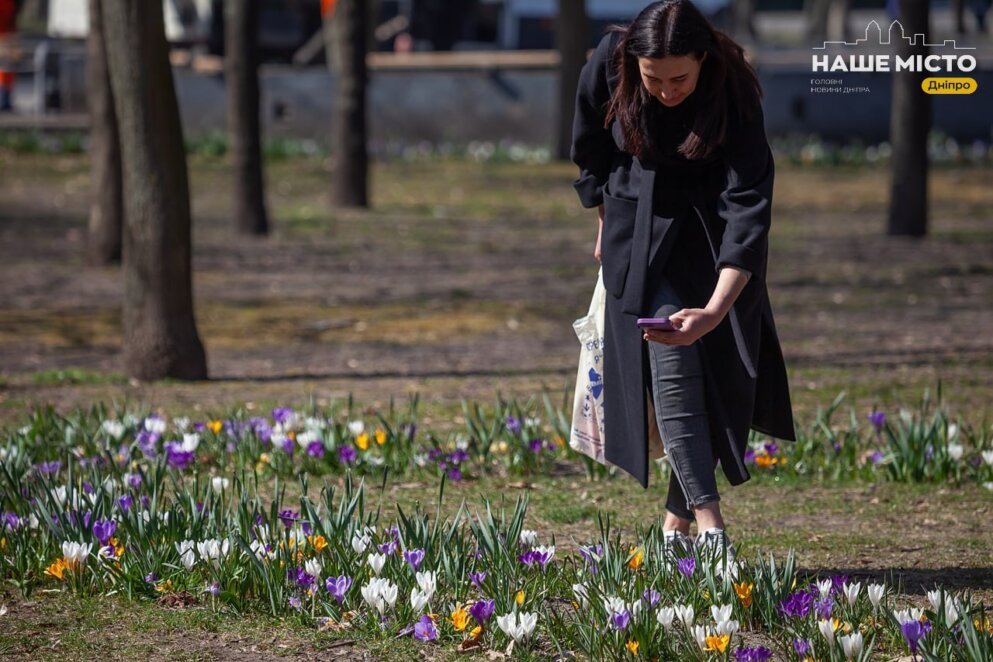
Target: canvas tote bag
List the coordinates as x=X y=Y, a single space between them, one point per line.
x=587 y=436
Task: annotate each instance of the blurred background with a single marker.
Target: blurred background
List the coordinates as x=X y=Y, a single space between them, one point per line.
x=398 y=215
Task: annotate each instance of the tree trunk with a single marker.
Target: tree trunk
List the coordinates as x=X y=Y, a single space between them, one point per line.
x=107 y=207
x=346 y=33
x=160 y=334
x=572 y=39
x=241 y=25
x=910 y=120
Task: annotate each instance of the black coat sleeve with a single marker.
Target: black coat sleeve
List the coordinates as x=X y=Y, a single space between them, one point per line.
x=746 y=202
x=592 y=144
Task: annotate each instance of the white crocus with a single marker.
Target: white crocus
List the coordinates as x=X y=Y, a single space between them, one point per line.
x=953 y=430
x=528 y=537
x=360 y=543
x=213 y=551
x=181 y=423
x=76 y=553
x=827 y=629
x=906 y=615
x=259 y=550
x=875 y=593
x=376 y=562
x=988 y=457
x=113 y=429
x=219 y=483
x=665 y=616
x=419 y=600
x=427 y=580
x=934 y=597
x=518 y=626
x=700 y=635
x=186 y=555
x=727 y=627
x=824 y=587
x=852 y=645
x=356 y=427
x=851 y=591
x=306 y=438
x=582 y=597
x=372 y=593
x=955 y=451
x=720 y=613
x=191 y=441
x=313 y=568
x=685 y=614
x=951 y=611
x=155 y=424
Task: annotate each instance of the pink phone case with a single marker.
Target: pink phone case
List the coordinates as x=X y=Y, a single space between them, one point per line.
x=661 y=323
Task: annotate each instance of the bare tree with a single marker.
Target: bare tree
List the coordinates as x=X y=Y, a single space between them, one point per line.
x=910 y=121
x=107 y=207
x=347 y=33
x=572 y=39
x=160 y=334
x=241 y=74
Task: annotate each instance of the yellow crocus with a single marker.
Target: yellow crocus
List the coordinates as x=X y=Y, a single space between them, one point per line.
x=460 y=618
x=380 y=437
x=637 y=557
x=718 y=643
x=57 y=569
x=519 y=598
x=744 y=593
x=215 y=426
x=118 y=548
x=319 y=542
x=475 y=632
x=362 y=441
x=632 y=647
x=164 y=587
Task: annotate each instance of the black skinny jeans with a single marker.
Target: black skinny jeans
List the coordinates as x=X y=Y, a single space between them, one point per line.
x=677 y=387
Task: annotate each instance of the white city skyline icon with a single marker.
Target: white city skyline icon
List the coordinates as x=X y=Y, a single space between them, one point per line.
x=889 y=38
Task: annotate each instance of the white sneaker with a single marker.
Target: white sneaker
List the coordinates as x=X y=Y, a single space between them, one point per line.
x=715 y=547
x=677 y=543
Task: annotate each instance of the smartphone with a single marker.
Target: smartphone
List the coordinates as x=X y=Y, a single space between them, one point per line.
x=659 y=323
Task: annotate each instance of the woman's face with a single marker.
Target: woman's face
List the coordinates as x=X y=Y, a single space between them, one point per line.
x=672 y=78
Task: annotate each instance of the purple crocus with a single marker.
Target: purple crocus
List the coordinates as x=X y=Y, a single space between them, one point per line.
x=876 y=457
x=48 y=468
x=619 y=619
x=878 y=419
x=124 y=503
x=288 y=517
x=346 y=454
x=179 y=459
x=757 y=654
x=315 y=449
x=771 y=448
x=651 y=596
x=388 y=548
x=687 y=566
x=281 y=414
x=11 y=521
x=749 y=457
x=535 y=445
x=482 y=610
x=104 y=529
x=295 y=602
x=797 y=605
x=477 y=578
x=414 y=557
x=338 y=587
x=214 y=589
x=912 y=633
x=513 y=424
x=151 y=578
x=425 y=630
x=824 y=607
x=801 y=646
x=455 y=474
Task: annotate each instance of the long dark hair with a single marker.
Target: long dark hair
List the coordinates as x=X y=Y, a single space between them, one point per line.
x=727 y=82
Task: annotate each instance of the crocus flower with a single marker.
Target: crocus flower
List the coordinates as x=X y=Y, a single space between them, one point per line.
x=346 y=454
x=797 y=605
x=104 y=530
x=912 y=633
x=852 y=645
x=315 y=449
x=75 y=553
x=425 y=629
x=388 y=547
x=338 y=587
x=757 y=654
x=295 y=602
x=454 y=474
x=687 y=566
x=619 y=620
x=477 y=578
x=824 y=607
x=214 y=589
x=419 y=599
x=513 y=425
x=376 y=562
x=518 y=626
x=535 y=445
x=179 y=459
x=651 y=596
x=482 y=610
x=665 y=616
x=801 y=647
x=414 y=558
x=878 y=419
x=428 y=581
x=875 y=593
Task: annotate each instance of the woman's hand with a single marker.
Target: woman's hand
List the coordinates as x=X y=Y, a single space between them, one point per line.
x=599 y=234
x=691 y=324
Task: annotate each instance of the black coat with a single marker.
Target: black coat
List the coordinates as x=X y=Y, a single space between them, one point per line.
x=684 y=219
